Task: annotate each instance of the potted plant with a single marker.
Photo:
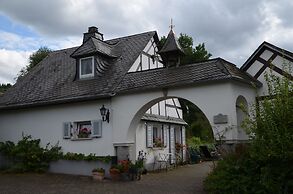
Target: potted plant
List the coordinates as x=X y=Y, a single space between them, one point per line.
x=124 y=169
x=115 y=172
x=136 y=169
x=98 y=174
x=84 y=133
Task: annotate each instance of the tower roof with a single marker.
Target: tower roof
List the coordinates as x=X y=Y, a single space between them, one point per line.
x=171 y=44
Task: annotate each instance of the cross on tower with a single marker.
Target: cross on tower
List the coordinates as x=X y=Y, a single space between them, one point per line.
x=172 y=26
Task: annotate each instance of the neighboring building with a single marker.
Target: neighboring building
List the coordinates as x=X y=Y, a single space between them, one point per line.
x=136 y=86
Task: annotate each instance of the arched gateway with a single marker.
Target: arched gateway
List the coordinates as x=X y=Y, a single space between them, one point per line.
x=92 y=98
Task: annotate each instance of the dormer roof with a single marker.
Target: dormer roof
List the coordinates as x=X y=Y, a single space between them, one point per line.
x=94 y=46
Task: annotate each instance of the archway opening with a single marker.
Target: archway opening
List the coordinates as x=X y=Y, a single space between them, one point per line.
x=164 y=126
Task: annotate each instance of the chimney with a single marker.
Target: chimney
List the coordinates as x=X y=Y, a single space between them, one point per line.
x=92 y=32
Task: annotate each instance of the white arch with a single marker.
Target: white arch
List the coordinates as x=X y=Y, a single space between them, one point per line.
x=136 y=119
x=210 y=99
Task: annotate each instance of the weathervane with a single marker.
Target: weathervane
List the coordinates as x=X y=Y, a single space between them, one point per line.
x=172 y=26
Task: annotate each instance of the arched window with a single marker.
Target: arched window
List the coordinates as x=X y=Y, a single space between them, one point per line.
x=241 y=111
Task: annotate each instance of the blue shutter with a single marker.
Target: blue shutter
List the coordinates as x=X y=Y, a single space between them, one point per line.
x=172 y=143
x=149 y=136
x=97 y=128
x=184 y=142
x=66 y=130
x=165 y=135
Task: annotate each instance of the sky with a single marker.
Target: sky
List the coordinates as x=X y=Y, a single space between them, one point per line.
x=230 y=29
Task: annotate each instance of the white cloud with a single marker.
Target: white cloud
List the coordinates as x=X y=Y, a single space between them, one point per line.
x=231 y=29
x=15 y=51
x=11 y=63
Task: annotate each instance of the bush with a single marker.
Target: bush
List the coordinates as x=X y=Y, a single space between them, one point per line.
x=28 y=156
x=266 y=167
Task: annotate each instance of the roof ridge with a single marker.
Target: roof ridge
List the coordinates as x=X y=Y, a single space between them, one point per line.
x=182 y=66
x=64 y=49
x=277 y=47
x=131 y=35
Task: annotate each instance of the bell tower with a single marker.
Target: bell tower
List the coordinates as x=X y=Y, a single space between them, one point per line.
x=171 y=52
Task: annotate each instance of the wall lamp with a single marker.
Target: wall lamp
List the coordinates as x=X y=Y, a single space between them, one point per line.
x=105 y=114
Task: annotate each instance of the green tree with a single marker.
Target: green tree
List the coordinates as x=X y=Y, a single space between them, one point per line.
x=266 y=167
x=198 y=124
x=34 y=59
x=4 y=87
x=192 y=54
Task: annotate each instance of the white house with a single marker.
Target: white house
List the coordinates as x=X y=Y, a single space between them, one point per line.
x=137 y=87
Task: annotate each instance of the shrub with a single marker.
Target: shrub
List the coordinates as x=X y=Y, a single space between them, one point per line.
x=266 y=167
x=28 y=156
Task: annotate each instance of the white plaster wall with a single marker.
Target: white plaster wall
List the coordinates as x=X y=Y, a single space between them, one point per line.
x=126 y=111
x=254 y=68
x=46 y=123
x=266 y=55
x=249 y=94
x=283 y=63
x=264 y=89
x=211 y=99
x=140 y=140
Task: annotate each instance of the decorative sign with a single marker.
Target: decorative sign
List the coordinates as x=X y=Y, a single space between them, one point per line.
x=220 y=119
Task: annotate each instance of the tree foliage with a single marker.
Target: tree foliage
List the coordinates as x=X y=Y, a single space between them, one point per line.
x=4 y=87
x=198 y=124
x=34 y=59
x=192 y=54
x=267 y=166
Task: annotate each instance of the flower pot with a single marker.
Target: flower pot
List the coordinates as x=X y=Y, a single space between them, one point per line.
x=115 y=174
x=99 y=176
x=135 y=173
x=125 y=176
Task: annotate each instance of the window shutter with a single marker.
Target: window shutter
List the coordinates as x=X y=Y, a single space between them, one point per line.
x=149 y=136
x=165 y=135
x=172 y=143
x=66 y=130
x=183 y=142
x=97 y=128
x=183 y=136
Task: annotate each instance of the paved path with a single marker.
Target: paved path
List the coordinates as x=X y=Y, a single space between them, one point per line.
x=183 y=180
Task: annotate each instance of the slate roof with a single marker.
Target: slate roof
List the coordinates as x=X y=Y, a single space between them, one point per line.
x=212 y=70
x=163 y=119
x=53 y=80
x=171 y=44
x=94 y=46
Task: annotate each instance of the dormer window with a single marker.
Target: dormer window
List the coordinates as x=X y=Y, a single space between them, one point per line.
x=86 y=67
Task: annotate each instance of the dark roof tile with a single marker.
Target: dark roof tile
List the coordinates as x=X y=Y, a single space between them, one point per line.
x=53 y=80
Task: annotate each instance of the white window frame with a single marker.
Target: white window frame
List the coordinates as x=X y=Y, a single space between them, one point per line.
x=86 y=75
x=72 y=130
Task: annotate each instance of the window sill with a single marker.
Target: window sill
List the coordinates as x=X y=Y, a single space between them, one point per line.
x=81 y=139
x=158 y=148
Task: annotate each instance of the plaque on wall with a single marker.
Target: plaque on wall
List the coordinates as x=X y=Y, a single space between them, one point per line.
x=220 y=119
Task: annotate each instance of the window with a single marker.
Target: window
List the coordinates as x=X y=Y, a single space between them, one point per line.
x=86 y=67
x=156 y=135
x=82 y=130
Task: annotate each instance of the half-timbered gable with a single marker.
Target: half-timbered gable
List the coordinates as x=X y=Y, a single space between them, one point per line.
x=269 y=58
x=148 y=58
